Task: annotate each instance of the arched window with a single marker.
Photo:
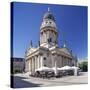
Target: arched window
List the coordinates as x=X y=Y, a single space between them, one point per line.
x=44 y=58
x=41 y=33
x=50 y=39
x=50 y=22
x=45 y=65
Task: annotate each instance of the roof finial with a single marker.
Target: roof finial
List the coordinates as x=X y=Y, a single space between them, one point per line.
x=48 y=9
x=31 y=45
x=65 y=45
x=39 y=43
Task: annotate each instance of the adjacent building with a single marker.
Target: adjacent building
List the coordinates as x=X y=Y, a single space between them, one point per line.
x=18 y=65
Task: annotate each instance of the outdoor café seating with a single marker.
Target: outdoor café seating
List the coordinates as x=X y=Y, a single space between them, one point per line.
x=46 y=72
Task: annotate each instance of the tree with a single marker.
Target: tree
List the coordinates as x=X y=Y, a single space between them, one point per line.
x=84 y=66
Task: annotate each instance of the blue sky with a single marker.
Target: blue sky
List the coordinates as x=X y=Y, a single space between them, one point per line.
x=71 y=22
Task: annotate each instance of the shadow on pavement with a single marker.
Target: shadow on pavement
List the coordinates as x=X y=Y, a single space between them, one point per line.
x=83 y=74
x=18 y=82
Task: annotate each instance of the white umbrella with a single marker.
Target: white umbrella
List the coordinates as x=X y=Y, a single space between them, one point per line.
x=74 y=67
x=54 y=68
x=44 y=69
x=65 y=68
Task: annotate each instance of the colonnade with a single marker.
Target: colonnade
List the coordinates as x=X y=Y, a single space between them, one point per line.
x=60 y=60
x=35 y=62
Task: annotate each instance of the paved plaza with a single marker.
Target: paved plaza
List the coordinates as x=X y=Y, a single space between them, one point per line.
x=24 y=81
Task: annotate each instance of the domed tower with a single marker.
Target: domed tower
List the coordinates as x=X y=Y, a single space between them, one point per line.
x=48 y=31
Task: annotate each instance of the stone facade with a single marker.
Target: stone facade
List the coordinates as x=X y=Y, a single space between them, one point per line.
x=48 y=53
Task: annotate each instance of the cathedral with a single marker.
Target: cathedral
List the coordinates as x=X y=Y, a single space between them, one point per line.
x=48 y=53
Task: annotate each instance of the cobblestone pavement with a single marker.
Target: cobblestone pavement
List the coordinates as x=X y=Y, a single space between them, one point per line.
x=23 y=80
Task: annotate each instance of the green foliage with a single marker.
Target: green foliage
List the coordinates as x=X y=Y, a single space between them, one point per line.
x=84 y=66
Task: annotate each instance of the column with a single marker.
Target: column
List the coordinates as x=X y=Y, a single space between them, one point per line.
x=25 y=66
x=29 y=65
x=35 y=62
x=65 y=61
x=44 y=36
x=40 y=38
x=53 y=63
x=55 y=58
x=38 y=61
x=68 y=62
x=62 y=62
x=41 y=60
x=32 y=65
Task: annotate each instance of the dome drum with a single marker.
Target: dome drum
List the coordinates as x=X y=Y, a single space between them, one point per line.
x=48 y=29
x=48 y=23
